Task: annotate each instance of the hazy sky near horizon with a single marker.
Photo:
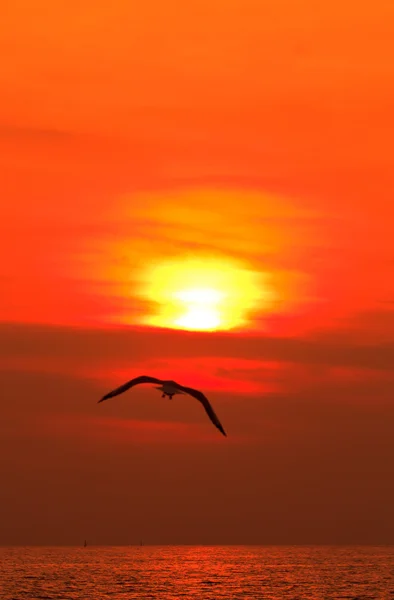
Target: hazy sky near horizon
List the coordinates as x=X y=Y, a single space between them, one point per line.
x=202 y=192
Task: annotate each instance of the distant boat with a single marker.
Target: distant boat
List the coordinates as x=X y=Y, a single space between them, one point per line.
x=85 y=544
x=141 y=544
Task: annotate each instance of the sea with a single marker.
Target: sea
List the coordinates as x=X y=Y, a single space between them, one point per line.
x=200 y=572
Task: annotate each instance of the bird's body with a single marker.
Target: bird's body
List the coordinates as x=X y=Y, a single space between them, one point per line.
x=169 y=388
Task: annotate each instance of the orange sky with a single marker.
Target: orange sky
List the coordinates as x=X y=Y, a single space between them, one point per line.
x=153 y=155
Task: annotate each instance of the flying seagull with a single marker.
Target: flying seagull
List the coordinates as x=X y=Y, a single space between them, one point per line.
x=169 y=388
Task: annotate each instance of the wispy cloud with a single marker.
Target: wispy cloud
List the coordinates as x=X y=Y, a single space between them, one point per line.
x=123 y=343
x=29 y=133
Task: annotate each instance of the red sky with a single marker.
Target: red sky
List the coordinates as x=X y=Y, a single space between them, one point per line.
x=169 y=150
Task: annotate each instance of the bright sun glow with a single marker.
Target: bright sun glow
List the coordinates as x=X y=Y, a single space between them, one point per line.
x=204 y=294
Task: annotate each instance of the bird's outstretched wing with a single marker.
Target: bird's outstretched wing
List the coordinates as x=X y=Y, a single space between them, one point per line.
x=129 y=384
x=205 y=402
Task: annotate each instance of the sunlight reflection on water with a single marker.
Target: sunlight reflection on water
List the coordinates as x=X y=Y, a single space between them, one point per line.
x=171 y=572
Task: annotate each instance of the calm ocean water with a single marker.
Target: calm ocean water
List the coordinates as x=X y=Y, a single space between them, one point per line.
x=172 y=572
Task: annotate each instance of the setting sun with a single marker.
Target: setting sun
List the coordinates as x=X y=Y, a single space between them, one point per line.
x=204 y=294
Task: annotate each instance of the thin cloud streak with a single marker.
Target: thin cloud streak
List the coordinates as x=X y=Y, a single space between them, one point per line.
x=111 y=344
